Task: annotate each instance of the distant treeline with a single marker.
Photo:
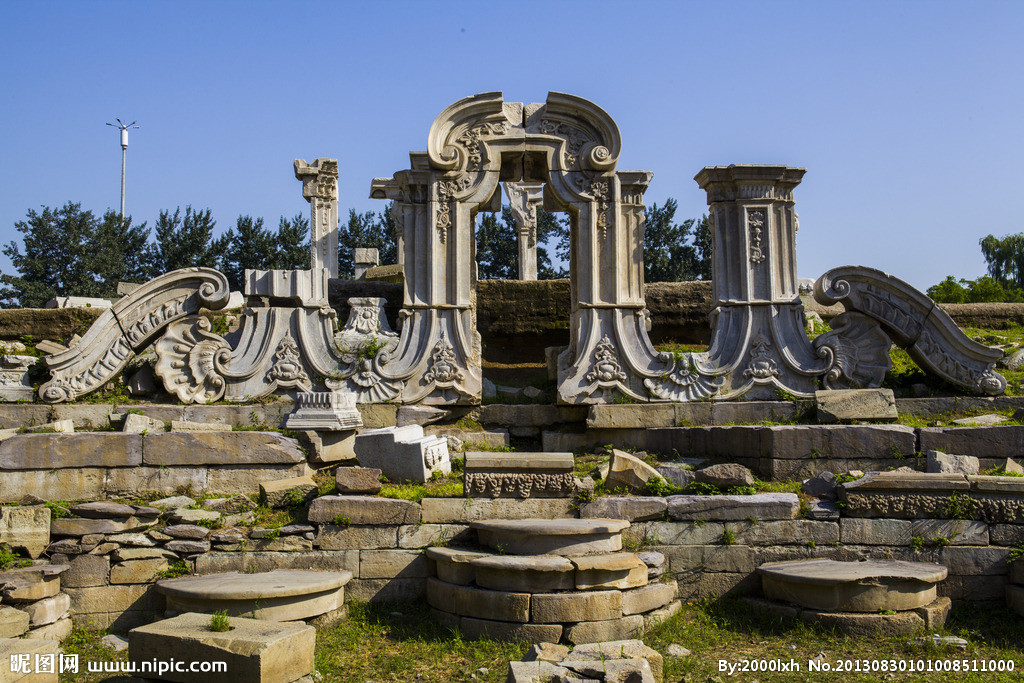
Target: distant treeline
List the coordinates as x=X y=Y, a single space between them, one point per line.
x=68 y=251
x=1004 y=258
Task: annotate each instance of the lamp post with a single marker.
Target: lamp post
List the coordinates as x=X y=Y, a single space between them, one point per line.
x=124 y=153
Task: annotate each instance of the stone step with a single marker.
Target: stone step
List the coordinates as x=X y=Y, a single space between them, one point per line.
x=279 y=595
x=253 y=650
x=551 y=536
x=862 y=587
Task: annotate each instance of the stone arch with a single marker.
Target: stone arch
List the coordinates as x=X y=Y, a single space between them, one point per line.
x=573 y=146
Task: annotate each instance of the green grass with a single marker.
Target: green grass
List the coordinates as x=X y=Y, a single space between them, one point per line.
x=400 y=642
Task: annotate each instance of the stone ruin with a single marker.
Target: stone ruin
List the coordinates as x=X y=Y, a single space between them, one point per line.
x=561 y=154
x=529 y=551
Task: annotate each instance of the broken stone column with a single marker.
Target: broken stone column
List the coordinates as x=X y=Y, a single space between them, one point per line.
x=320 y=189
x=524 y=198
x=757 y=333
x=364 y=259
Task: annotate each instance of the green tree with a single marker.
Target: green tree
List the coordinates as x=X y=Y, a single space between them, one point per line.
x=246 y=246
x=497 y=245
x=292 y=245
x=949 y=291
x=69 y=252
x=667 y=256
x=183 y=242
x=703 y=243
x=120 y=252
x=1004 y=257
x=368 y=231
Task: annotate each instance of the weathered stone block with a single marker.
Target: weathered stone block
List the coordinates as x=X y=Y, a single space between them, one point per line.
x=58 y=630
x=73 y=526
x=363 y=510
x=639 y=415
x=838 y=442
x=87 y=570
x=9 y=647
x=138 y=571
x=937 y=462
x=135 y=480
x=725 y=475
x=648 y=598
x=855 y=404
x=553 y=608
x=219 y=448
x=25 y=529
x=793 y=532
x=48 y=610
x=64 y=451
x=875 y=531
x=623 y=628
x=475 y=629
x=953 y=531
x=711 y=558
x=468 y=601
x=260 y=562
x=628 y=472
x=632 y=509
x=247 y=480
x=462 y=510
x=994 y=442
x=108 y=599
x=386 y=590
x=331 y=537
x=425 y=535
x=282 y=493
x=391 y=564
x=357 y=480
x=254 y=650
x=13 y=623
x=760 y=506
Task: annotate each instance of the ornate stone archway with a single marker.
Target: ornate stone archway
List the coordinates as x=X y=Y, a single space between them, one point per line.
x=571 y=145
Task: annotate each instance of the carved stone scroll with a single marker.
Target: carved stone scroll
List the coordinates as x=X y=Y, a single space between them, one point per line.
x=916 y=323
x=129 y=326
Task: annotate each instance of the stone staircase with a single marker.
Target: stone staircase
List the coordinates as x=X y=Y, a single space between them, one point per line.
x=543 y=580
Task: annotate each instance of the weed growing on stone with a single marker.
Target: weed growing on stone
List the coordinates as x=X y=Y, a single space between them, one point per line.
x=341 y=520
x=219 y=622
x=179 y=568
x=9 y=560
x=960 y=506
x=1016 y=552
x=728 y=537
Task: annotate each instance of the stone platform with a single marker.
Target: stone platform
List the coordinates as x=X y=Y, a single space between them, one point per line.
x=253 y=650
x=870 y=596
x=548 y=581
x=280 y=595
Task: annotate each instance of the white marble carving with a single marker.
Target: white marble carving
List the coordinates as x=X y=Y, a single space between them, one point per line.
x=916 y=323
x=403 y=453
x=325 y=411
x=524 y=199
x=364 y=258
x=14 y=381
x=860 y=350
x=320 y=189
x=477 y=143
x=128 y=326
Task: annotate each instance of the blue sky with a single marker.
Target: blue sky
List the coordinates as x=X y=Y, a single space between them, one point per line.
x=907 y=115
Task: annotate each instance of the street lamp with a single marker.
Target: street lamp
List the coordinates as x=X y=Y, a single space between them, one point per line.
x=124 y=153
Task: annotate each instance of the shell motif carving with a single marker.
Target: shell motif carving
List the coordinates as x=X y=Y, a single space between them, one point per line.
x=187 y=360
x=859 y=352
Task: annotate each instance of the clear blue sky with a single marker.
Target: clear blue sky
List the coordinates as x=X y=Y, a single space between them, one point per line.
x=909 y=116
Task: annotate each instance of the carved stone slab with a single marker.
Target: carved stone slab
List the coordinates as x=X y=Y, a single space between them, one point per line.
x=519 y=475
x=916 y=323
x=128 y=326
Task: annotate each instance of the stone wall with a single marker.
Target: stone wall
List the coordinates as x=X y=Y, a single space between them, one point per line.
x=713 y=546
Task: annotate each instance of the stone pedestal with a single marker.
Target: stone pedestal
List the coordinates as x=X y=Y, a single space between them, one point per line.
x=364 y=259
x=758 y=344
x=327 y=411
x=14 y=382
